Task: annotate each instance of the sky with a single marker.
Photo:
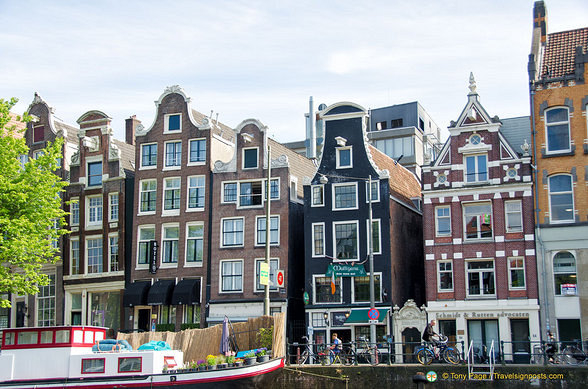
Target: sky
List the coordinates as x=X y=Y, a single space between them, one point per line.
x=264 y=59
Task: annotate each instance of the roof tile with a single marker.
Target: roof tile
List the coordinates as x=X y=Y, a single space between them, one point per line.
x=560 y=51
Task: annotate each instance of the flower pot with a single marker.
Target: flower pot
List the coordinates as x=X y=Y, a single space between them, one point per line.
x=238 y=364
x=201 y=368
x=222 y=365
x=263 y=358
x=250 y=361
x=211 y=367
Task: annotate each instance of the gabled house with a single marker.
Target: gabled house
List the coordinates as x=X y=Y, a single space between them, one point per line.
x=480 y=262
x=353 y=178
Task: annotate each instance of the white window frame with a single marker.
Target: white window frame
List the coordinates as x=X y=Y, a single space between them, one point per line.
x=38 y=153
x=334 y=192
x=379 y=227
x=257 y=218
x=171 y=211
x=356 y=223
x=320 y=203
x=338 y=279
x=338 y=157
x=375 y=183
x=166 y=129
x=277 y=181
x=378 y=298
x=511 y=212
x=188 y=237
x=74 y=209
x=262 y=195
x=198 y=188
x=511 y=268
x=464 y=223
x=164 y=239
x=437 y=217
x=71 y=256
x=225 y=183
x=99 y=212
x=113 y=207
x=547 y=125
x=575 y=272
x=477 y=173
x=41 y=299
x=165 y=161
x=276 y=263
x=148 y=167
x=220 y=274
x=139 y=241
x=110 y=253
x=222 y=228
x=196 y=163
x=467 y=285
x=87 y=252
x=243 y=158
x=151 y=190
x=439 y=272
x=324 y=240
x=549 y=194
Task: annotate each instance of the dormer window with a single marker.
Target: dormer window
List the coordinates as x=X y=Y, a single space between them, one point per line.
x=344 y=157
x=94 y=173
x=173 y=122
x=38 y=133
x=250 y=158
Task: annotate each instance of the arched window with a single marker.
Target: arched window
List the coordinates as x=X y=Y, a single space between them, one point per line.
x=561 y=198
x=557 y=130
x=564 y=273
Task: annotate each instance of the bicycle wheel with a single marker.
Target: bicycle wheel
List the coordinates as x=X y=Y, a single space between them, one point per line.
x=425 y=356
x=347 y=357
x=451 y=355
x=573 y=355
x=303 y=357
x=327 y=358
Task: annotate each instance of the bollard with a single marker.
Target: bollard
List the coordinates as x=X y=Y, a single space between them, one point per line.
x=419 y=379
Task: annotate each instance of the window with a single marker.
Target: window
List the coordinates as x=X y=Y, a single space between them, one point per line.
x=38 y=133
x=477 y=219
x=148 y=195
x=396 y=123
x=46 y=303
x=516 y=273
x=197 y=151
x=274 y=230
x=274 y=264
x=480 y=278
x=564 y=273
x=232 y=233
x=250 y=193
x=396 y=147
x=346 y=245
x=74 y=209
x=381 y=125
x=75 y=257
x=94 y=173
x=192 y=315
x=171 y=193
x=376 y=235
x=514 y=216
x=318 y=195
x=129 y=365
x=318 y=240
x=323 y=292
x=94 y=250
x=23 y=159
x=445 y=274
x=194 y=243
x=94 y=205
x=146 y=235
x=345 y=196
x=561 y=198
x=232 y=276
x=149 y=155
x=557 y=130
x=173 y=122
x=94 y=365
x=173 y=154
x=344 y=157
x=167 y=314
x=196 y=192
x=113 y=214
x=275 y=189
x=171 y=236
x=361 y=289
x=250 y=158
x=318 y=319
x=375 y=191
x=38 y=153
x=229 y=192
x=476 y=168
x=113 y=252
x=442 y=221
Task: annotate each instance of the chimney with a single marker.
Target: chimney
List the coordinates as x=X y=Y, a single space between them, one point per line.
x=538 y=41
x=130 y=128
x=540 y=19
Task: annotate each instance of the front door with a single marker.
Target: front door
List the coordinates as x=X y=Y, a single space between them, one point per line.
x=144 y=320
x=411 y=337
x=519 y=335
x=484 y=335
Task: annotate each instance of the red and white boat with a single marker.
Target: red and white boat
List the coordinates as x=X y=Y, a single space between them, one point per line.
x=62 y=357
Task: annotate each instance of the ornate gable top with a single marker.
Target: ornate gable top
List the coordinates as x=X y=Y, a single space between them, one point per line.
x=473 y=113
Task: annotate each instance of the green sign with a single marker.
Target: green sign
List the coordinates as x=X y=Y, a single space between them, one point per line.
x=342 y=270
x=306 y=298
x=264 y=273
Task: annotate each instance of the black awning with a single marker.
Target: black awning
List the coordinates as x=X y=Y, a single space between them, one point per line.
x=160 y=292
x=186 y=292
x=136 y=293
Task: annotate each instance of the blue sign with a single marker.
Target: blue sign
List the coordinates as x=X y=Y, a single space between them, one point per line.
x=373 y=314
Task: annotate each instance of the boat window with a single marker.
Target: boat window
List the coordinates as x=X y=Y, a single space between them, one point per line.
x=28 y=337
x=78 y=336
x=94 y=365
x=46 y=336
x=62 y=336
x=98 y=336
x=89 y=337
x=129 y=364
x=8 y=338
x=170 y=362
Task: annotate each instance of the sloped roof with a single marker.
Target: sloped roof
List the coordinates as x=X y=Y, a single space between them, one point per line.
x=516 y=131
x=14 y=122
x=560 y=51
x=300 y=166
x=127 y=154
x=403 y=183
x=70 y=131
x=218 y=128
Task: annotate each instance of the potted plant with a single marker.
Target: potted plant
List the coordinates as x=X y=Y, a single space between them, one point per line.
x=261 y=355
x=231 y=360
x=201 y=365
x=221 y=362
x=211 y=362
x=265 y=338
x=250 y=358
x=238 y=362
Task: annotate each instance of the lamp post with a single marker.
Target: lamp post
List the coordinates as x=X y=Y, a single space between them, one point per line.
x=268 y=195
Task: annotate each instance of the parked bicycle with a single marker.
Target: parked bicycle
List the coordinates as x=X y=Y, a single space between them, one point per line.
x=426 y=354
x=570 y=355
x=321 y=356
x=368 y=354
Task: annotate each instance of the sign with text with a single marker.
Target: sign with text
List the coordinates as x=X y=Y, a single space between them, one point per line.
x=264 y=273
x=153 y=249
x=342 y=270
x=338 y=318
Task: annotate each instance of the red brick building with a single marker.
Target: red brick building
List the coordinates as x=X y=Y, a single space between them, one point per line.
x=479 y=235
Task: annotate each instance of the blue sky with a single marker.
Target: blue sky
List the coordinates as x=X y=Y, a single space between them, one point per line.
x=264 y=59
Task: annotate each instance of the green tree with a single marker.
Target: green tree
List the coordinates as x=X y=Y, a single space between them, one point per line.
x=31 y=213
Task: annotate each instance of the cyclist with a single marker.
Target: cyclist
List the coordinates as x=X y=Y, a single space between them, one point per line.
x=335 y=345
x=430 y=336
x=551 y=347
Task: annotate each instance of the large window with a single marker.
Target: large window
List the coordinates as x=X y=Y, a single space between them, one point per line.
x=94 y=205
x=149 y=155
x=480 y=278
x=445 y=276
x=442 y=221
x=232 y=233
x=516 y=273
x=561 y=198
x=75 y=256
x=564 y=273
x=345 y=196
x=557 y=130
x=476 y=168
x=171 y=193
x=232 y=276
x=261 y=230
x=146 y=235
x=94 y=173
x=318 y=240
x=250 y=193
x=46 y=303
x=477 y=219
x=197 y=151
x=318 y=195
x=514 y=216
x=171 y=235
x=396 y=147
x=323 y=290
x=250 y=158
x=196 y=192
x=148 y=195
x=346 y=245
x=274 y=264
x=195 y=243
x=104 y=308
x=361 y=289
x=173 y=154
x=94 y=250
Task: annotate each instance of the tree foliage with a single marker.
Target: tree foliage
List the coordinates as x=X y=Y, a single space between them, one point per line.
x=31 y=213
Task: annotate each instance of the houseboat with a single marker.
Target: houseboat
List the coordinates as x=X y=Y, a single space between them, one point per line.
x=63 y=357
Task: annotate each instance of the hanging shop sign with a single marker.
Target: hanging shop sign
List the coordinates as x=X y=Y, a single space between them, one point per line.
x=342 y=270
